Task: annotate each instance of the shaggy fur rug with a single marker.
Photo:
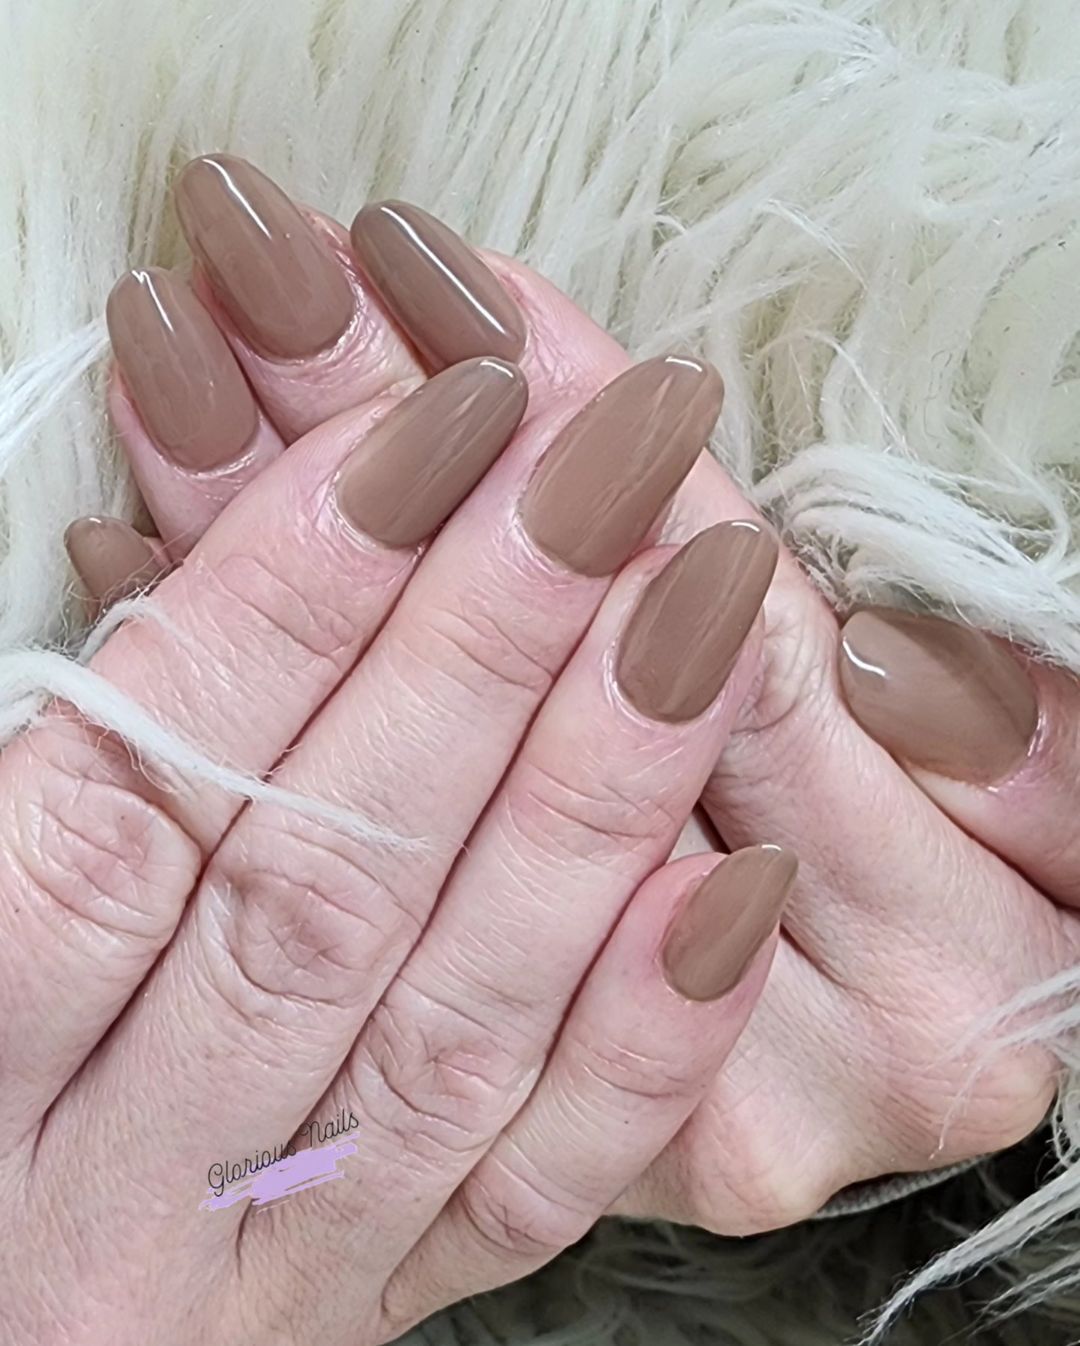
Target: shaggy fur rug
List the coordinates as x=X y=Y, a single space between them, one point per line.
x=864 y=211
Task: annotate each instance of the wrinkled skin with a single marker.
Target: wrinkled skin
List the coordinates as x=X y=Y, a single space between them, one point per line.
x=276 y=1001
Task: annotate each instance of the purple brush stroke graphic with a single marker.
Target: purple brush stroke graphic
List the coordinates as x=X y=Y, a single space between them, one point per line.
x=294 y=1173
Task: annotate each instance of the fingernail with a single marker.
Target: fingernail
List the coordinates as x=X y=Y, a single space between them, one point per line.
x=938 y=695
x=111 y=558
x=726 y=921
x=449 y=304
x=279 y=282
x=416 y=465
x=183 y=378
x=685 y=634
x=610 y=472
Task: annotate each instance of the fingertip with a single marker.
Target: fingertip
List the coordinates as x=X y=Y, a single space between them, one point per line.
x=726 y=920
x=111 y=558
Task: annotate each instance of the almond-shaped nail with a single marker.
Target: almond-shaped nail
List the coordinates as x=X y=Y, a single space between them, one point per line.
x=610 y=472
x=183 y=378
x=449 y=304
x=414 y=467
x=938 y=695
x=111 y=558
x=277 y=279
x=689 y=624
x=726 y=920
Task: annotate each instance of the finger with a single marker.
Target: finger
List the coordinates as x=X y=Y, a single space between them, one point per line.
x=112 y=560
x=251 y=634
x=593 y=803
x=653 y=1024
x=183 y=411
x=282 y=283
x=994 y=739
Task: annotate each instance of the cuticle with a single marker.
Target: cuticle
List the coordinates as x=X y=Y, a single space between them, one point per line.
x=330 y=501
x=1035 y=745
x=220 y=471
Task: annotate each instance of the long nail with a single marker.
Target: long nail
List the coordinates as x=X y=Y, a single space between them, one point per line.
x=415 y=467
x=684 y=636
x=938 y=695
x=610 y=472
x=111 y=558
x=184 y=379
x=278 y=280
x=449 y=304
x=727 y=919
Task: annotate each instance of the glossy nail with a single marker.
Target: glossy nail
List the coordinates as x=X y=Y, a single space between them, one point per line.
x=610 y=472
x=937 y=694
x=277 y=279
x=449 y=304
x=726 y=920
x=686 y=631
x=415 y=466
x=183 y=378
x=111 y=558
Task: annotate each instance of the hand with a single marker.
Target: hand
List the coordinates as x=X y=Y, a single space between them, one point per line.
x=904 y=932
x=446 y=916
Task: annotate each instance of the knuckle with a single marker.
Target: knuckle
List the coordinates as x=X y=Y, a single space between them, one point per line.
x=953 y=1113
x=596 y=821
x=949 y=1091
x=293 y=912
x=621 y=1071
x=796 y=695
x=759 y=1185
x=517 y=1220
x=434 y=1079
x=485 y=655
x=282 y=614
x=101 y=860
x=742 y=1165
x=1017 y=1100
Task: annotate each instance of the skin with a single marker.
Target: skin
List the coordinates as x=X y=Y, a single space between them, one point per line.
x=224 y=974
x=849 y=1069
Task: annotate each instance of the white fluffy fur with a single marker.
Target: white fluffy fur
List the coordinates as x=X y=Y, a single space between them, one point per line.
x=865 y=211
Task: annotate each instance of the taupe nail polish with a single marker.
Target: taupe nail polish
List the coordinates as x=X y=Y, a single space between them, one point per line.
x=727 y=919
x=183 y=378
x=690 y=622
x=610 y=472
x=936 y=694
x=111 y=558
x=414 y=467
x=278 y=280
x=449 y=304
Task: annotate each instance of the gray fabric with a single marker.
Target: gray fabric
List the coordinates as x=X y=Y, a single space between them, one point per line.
x=864 y=1196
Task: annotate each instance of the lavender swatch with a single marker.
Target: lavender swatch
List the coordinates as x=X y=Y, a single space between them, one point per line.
x=294 y=1173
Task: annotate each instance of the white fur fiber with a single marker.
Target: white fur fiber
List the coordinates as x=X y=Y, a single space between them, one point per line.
x=864 y=211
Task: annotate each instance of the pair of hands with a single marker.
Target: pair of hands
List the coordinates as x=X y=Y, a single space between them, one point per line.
x=473 y=943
